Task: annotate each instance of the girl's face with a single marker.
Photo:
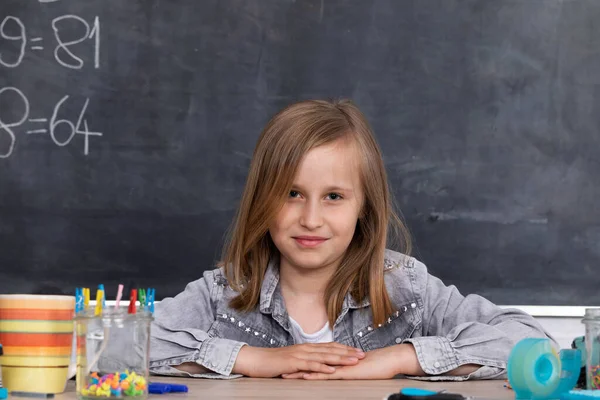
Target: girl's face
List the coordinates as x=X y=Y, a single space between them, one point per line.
x=317 y=222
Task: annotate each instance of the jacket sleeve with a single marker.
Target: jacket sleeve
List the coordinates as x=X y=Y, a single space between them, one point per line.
x=460 y=330
x=179 y=333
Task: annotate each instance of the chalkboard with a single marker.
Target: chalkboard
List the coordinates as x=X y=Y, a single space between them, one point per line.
x=127 y=129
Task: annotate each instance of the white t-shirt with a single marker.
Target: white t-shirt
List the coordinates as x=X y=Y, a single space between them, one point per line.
x=323 y=335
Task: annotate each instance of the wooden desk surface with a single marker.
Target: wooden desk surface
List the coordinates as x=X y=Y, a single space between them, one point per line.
x=253 y=388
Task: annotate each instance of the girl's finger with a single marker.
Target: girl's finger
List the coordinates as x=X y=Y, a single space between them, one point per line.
x=314 y=366
x=342 y=351
x=342 y=346
x=295 y=375
x=316 y=376
x=329 y=359
x=335 y=345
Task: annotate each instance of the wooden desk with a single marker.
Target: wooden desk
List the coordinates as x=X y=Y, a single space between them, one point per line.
x=253 y=388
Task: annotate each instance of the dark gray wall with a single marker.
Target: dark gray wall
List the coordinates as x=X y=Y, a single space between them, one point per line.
x=488 y=114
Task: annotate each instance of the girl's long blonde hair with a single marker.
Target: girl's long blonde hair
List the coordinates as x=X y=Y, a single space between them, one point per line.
x=288 y=136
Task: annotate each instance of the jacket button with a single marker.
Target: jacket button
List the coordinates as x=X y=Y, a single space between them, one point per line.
x=413 y=305
x=398 y=340
x=436 y=364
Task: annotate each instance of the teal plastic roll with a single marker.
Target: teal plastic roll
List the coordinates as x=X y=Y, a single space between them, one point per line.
x=536 y=371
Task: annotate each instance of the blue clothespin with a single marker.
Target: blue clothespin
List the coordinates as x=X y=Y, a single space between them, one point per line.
x=78 y=300
x=150 y=300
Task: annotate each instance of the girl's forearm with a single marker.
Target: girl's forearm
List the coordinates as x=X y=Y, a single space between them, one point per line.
x=409 y=363
x=191 y=368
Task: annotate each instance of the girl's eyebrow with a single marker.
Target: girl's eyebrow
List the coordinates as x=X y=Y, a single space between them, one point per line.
x=327 y=189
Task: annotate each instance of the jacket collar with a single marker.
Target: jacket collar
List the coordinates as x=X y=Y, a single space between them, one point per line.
x=270 y=293
x=271 y=300
x=351 y=303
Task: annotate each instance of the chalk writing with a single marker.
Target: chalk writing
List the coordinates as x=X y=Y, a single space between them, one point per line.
x=61 y=131
x=63 y=53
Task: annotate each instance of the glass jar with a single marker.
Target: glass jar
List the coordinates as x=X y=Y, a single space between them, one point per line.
x=113 y=354
x=3 y=391
x=592 y=347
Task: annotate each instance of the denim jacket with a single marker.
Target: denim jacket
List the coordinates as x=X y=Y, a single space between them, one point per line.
x=446 y=329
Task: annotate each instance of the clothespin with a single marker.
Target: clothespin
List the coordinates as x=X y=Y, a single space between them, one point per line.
x=132 y=301
x=101 y=287
x=86 y=298
x=151 y=292
x=119 y=296
x=142 y=297
x=99 y=302
x=78 y=300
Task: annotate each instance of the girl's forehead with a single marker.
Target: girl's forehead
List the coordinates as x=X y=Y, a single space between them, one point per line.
x=333 y=164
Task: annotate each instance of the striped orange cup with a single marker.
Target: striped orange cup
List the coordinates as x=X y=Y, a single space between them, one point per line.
x=36 y=332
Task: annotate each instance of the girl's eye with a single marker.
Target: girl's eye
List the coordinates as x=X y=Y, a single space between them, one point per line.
x=331 y=196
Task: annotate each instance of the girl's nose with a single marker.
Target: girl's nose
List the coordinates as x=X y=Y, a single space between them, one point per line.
x=311 y=217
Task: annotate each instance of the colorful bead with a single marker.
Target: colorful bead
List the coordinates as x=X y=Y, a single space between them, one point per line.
x=595 y=376
x=115 y=385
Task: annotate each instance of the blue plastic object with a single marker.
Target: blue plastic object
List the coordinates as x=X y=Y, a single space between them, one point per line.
x=162 y=388
x=581 y=395
x=423 y=394
x=537 y=372
x=417 y=392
